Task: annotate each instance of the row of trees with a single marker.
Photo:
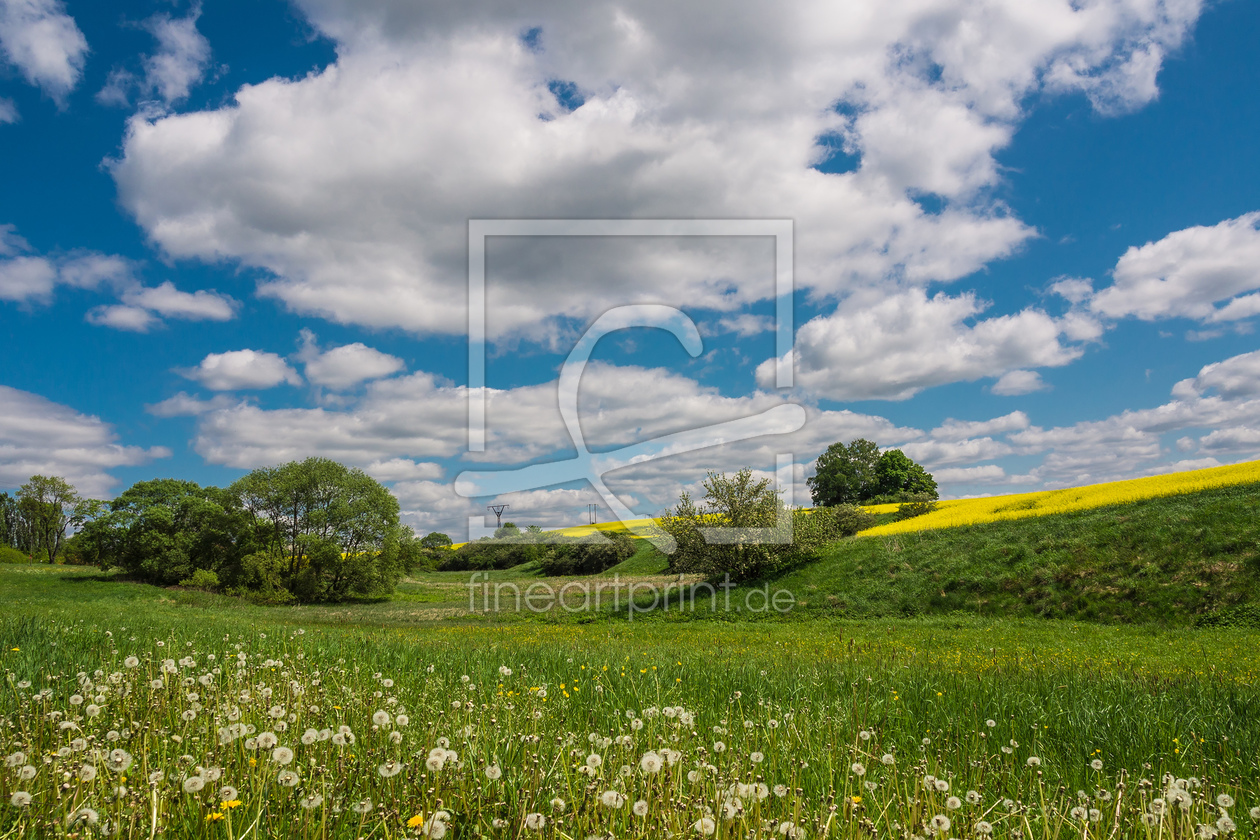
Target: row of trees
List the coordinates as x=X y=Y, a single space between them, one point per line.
x=37 y=518
x=316 y=530
x=312 y=530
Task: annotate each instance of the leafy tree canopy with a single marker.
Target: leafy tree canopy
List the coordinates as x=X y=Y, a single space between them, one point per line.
x=857 y=473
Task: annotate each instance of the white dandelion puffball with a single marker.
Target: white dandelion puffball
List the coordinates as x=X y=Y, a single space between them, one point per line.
x=940 y=823
x=87 y=773
x=858 y=769
x=363 y=806
x=953 y=803
x=791 y=830
x=390 y=769
x=612 y=799
x=20 y=799
x=640 y=808
x=227 y=793
x=651 y=763
x=535 y=822
x=282 y=755
x=888 y=760
x=757 y=758
x=594 y=760
x=194 y=784
x=557 y=805
x=719 y=747
x=1225 y=800
x=287 y=778
x=705 y=826
x=505 y=671
x=1096 y=764
x=381 y=718
x=1033 y=761
x=973 y=797
x=267 y=740
x=494 y=772
x=131 y=662
x=312 y=801
x=401 y=720
x=990 y=723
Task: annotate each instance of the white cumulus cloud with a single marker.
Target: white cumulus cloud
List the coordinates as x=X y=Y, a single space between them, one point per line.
x=1187 y=274
x=898 y=346
x=242 y=370
x=41 y=437
x=44 y=43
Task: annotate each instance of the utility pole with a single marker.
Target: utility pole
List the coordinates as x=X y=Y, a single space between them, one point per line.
x=498 y=514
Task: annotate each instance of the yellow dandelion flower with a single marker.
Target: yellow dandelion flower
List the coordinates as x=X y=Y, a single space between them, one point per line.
x=415 y=821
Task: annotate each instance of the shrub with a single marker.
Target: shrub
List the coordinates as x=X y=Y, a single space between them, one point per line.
x=9 y=554
x=916 y=506
x=202 y=579
x=849 y=519
x=487 y=554
x=588 y=555
x=746 y=515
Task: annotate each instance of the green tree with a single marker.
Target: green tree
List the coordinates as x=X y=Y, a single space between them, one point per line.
x=435 y=539
x=898 y=478
x=51 y=506
x=846 y=474
x=15 y=531
x=857 y=474
x=328 y=531
x=166 y=530
x=750 y=537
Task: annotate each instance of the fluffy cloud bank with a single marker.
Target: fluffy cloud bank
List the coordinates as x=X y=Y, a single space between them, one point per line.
x=41 y=437
x=352 y=186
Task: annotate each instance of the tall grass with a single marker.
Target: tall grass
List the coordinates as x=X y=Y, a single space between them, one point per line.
x=764 y=731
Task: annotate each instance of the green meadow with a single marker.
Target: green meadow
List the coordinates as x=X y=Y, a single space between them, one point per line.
x=966 y=696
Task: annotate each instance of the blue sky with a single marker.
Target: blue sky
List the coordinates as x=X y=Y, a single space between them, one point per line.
x=233 y=234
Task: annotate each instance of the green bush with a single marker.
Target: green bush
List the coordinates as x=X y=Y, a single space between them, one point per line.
x=849 y=519
x=8 y=554
x=917 y=506
x=587 y=555
x=202 y=579
x=487 y=554
x=1241 y=615
x=751 y=543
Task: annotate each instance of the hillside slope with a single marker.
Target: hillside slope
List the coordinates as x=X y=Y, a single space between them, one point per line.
x=1173 y=560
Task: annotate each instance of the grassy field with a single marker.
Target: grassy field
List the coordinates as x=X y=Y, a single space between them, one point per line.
x=386 y=724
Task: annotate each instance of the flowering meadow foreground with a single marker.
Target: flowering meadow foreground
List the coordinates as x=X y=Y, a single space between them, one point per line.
x=128 y=714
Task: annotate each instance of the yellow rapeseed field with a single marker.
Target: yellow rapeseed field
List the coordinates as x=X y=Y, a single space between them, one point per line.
x=951 y=514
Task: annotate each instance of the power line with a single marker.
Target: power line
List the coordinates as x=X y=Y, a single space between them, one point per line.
x=498 y=514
